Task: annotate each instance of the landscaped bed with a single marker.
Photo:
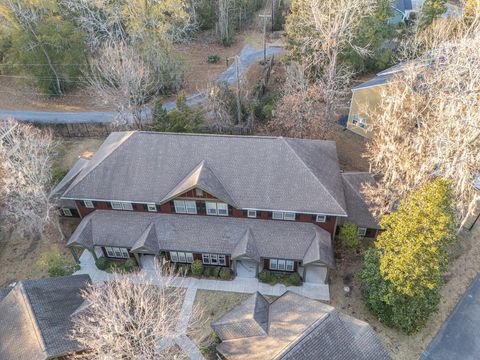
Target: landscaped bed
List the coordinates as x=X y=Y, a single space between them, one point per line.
x=198 y=270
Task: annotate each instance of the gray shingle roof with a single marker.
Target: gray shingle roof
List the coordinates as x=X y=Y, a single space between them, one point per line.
x=35 y=318
x=4 y=292
x=60 y=188
x=302 y=329
x=458 y=337
x=246 y=247
x=193 y=233
x=248 y=319
x=254 y=172
x=357 y=208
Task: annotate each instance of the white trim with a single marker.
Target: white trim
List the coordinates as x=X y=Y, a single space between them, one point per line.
x=67 y=212
x=151 y=207
x=88 y=204
x=277 y=215
x=116 y=252
x=253 y=215
x=362 y=231
x=116 y=205
x=321 y=216
x=214 y=208
x=289 y=213
x=185 y=206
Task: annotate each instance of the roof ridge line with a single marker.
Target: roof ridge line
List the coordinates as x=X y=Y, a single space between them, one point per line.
x=33 y=319
x=311 y=172
x=81 y=176
x=356 y=193
x=204 y=163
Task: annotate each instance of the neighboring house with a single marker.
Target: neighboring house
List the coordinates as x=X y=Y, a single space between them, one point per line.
x=35 y=318
x=255 y=202
x=294 y=327
x=458 y=337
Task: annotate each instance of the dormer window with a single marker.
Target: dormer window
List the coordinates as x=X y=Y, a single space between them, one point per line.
x=252 y=213
x=185 y=206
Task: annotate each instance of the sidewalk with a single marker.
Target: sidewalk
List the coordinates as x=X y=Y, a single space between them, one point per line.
x=241 y=285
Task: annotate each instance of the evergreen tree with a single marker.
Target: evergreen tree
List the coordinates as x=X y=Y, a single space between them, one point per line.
x=432 y=9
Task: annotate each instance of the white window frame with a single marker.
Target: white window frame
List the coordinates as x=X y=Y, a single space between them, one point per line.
x=173 y=256
x=362 y=122
x=289 y=215
x=289 y=265
x=211 y=208
x=116 y=252
x=362 y=231
x=127 y=206
x=213 y=259
x=152 y=207
x=252 y=213
x=88 y=204
x=189 y=257
x=181 y=257
x=206 y=259
x=281 y=265
x=67 y=212
x=355 y=119
x=198 y=192
x=191 y=206
x=180 y=206
x=277 y=215
x=272 y=263
x=321 y=218
x=116 y=205
x=222 y=209
x=222 y=260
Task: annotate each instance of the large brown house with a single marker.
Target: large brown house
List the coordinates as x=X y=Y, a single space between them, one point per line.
x=238 y=201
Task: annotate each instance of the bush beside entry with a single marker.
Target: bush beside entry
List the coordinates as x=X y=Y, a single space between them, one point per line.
x=197 y=268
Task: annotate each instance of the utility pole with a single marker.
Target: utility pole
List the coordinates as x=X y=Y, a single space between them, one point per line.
x=264 y=16
x=239 y=109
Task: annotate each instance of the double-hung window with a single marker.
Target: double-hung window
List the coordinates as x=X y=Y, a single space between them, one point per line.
x=121 y=205
x=273 y=264
x=116 y=252
x=214 y=259
x=321 y=218
x=185 y=206
x=152 y=207
x=355 y=119
x=281 y=265
x=252 y=213
x=214 y=208
x=206 y=259
x=180 y=256
x=277 y=215
x=221 y=260
x=289 y=265
x=363 y=122
x=362 y=231
x=88 y=204
x=289 y=216
x=67 y=212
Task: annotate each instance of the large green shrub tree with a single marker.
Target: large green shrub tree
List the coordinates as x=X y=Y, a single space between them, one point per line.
x=402 y=276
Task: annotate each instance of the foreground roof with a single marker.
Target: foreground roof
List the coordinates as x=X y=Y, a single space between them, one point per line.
x=255 y=238
x=358 y=212
x=35 y=318
x=267 y=173
x=458 y=337
x=296 y=328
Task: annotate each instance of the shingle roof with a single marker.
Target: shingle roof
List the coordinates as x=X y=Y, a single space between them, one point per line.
x=376 y=81
x=302 y=329
x=246 y=247
x=35 y=318
x=60 y=188
x=254 y=172
x=193 y=233
x=4 y=292
x=458 y=337
x=248 y=319
x=357 y=208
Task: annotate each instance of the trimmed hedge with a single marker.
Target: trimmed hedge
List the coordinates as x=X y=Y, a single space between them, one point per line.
x=111 y=266
x=226 y=273
x=292 y=280
x=102 y=263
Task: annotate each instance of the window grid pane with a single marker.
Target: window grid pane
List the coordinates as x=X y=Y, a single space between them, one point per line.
x=321 y=218
x=109 y=251
x=88 y=204
x=289 y=266
x=222 y=209
x=277 y=215
x=362 y=231
x=67 y=212
x=127 y=206
x=152 y=207
x=273 y=264
x=191 y=207
x=179 y=206
x=116 y=205
x=206 y=258
x=221 y=259
x=173 y=256
x=211 y=208
x=252 y=213
x=181 y=257
x=189 y=257
x=213 y=259
x=289 y=216
x=124 y=253
x=281 y=264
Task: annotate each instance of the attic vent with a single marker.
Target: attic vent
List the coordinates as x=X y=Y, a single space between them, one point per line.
x=198 y=192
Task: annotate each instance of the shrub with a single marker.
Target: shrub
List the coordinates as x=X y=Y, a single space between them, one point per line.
x=182 y=119
x=349 y=235
x=292 y=279
x=267 y=277
x=55 y=265
x=58 y=174
x=197 y=268
x=103 y=263
x=225 y=273
x=213 y=59
x=207 y=271
x=216 y=271
x=130 y=265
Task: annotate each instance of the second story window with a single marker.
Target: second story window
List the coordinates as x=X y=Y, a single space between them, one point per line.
x=277 y=215
x=152 y=207
x=120 y=205
x=289 y=216
x=185 y=206
x=252 y=213
x=214 y=208
x=88 y=204
x=321 y=218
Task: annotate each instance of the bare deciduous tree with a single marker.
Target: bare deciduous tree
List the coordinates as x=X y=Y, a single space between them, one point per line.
x=320 y=30
x=428 y=125
x=25 y=168
x=132 y=318
x=300 y=112
x=120 y=77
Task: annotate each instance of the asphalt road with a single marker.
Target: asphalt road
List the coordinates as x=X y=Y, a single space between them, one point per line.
x=247 y=57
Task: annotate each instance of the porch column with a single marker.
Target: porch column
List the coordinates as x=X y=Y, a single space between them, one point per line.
x=74 y=254
x=304 y=272
x=92 y=251
x=234 y=262
x=137 y=257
